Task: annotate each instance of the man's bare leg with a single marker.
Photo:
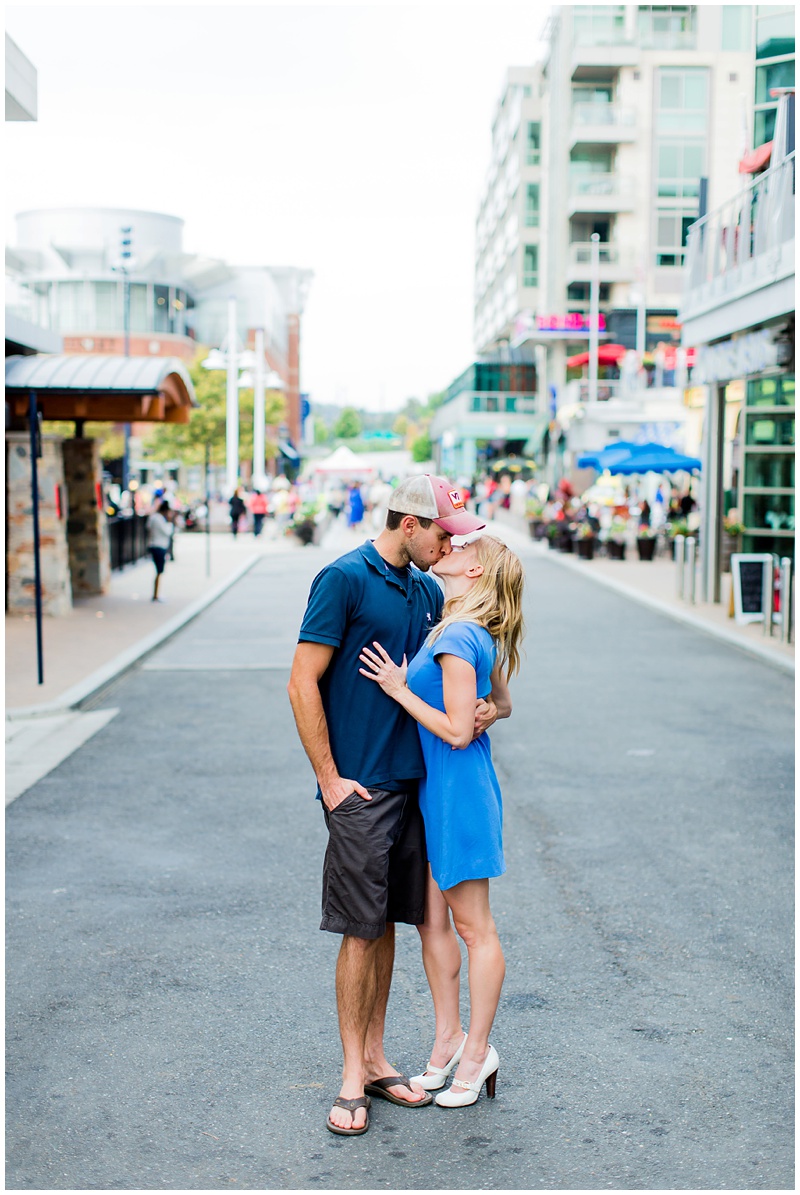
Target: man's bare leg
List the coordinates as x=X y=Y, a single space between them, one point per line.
x=356 y=988
x=376 y=1065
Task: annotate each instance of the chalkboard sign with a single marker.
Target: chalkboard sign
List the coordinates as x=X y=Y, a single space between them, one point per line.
x=752 y=585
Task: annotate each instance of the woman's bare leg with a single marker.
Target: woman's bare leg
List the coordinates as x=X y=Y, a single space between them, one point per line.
x=469 y=903
x=441 y=957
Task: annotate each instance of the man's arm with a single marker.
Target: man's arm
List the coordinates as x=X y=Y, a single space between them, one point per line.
x=497 y=705
x=308 y=667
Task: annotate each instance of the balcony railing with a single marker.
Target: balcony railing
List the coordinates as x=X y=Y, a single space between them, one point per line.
x=731 y=246
x=584 y=188
x=603 y=115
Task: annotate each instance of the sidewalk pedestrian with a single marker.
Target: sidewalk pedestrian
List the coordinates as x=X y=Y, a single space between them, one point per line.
x=159 y=538
x=470 y=654
x=237 y=508
x=355 y=506
x=259 y=506
x=366 y=755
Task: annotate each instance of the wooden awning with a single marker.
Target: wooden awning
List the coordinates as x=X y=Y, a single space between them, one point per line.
x=100 y=388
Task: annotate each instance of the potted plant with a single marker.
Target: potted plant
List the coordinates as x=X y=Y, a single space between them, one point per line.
x=732 y=532
x=646 y=542
x=534 y=512
x=565 y=536
x=585 y=541
x=678 y=527
x=552 y=532
x=615 y=542
x=305 y=521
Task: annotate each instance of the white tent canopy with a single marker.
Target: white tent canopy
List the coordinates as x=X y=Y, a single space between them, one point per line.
x=343 y=462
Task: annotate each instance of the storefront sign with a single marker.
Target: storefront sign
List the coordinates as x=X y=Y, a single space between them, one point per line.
x=751 y=574
x=736 y=358
x=573 y=322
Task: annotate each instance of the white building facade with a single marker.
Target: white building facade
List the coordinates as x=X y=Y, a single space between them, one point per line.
x=637 y=104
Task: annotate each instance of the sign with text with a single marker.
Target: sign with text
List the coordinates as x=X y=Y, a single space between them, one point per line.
x=751 y=576
x=572 y=322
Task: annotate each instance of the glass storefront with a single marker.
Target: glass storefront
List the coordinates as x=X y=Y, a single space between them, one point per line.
x=767 y=482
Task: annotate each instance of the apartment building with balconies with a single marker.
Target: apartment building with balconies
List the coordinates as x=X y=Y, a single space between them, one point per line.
x=508 y=226
x=639 y=103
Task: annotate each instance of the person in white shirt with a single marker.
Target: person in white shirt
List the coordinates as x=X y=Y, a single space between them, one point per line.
x=159 y=537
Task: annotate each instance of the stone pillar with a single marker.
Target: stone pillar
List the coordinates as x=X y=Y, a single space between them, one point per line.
x=54 y=556
x=87 y=530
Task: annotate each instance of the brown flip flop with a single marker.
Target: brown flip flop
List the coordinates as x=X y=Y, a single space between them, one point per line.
x=362 y=1101
x=379 y=1087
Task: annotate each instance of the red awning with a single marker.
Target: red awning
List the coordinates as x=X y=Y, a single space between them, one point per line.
x=756 y=159
x=607 y=354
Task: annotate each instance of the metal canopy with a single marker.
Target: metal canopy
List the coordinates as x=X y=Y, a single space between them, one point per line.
x=104 y=388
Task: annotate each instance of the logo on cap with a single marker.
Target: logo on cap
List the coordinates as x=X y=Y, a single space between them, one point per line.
x=456 y=499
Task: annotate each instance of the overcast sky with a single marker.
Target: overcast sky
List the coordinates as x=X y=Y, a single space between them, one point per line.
x=349 y=140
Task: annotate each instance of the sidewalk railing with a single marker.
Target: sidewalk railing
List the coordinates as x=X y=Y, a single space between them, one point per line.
x=127 y=538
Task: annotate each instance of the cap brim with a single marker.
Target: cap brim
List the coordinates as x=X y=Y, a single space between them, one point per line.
x=463 y=524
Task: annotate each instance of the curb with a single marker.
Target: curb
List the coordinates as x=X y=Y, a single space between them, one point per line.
x=74 y=696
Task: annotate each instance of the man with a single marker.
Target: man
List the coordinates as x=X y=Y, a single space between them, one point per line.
x=365 y=752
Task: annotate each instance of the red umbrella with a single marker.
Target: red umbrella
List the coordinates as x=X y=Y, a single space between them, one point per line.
x=607 y=354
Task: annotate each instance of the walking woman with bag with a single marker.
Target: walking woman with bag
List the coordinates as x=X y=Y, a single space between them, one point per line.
x=472 y=652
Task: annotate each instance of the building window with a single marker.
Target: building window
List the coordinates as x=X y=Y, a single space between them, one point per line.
x=598 y=25
x=672 y=228
x=532 y=206
x=682 y=100
x=533 y=154
x=737 y=27
x=530 y=275
x=139 y=313
x=667 y=27
x=774 y=30
x=106 y=307
x=163 y=316
x=768 y=76
x=679 y=168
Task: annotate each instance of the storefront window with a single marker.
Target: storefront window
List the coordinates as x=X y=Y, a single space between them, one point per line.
x=107 y=307
x=775 y=511
x=773 y=471
x=771 y=392
x=775 y=430
x=138 y=301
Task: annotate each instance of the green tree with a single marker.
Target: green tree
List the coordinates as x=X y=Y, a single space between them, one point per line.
x=321 y=431
x=348 y=425
x=421 y=448
x=186 y=441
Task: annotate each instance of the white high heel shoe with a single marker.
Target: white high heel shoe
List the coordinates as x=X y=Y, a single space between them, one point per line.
x=434 y=1076
x=468 y=1093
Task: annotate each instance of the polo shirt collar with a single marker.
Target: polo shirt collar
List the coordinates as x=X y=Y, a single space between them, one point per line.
x=373 y=557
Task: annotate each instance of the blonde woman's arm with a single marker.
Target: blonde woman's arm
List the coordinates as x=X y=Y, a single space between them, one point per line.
x=454 y=725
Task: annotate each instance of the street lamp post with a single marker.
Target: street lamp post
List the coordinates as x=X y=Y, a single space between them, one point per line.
x=594 y=315
x=232 y=404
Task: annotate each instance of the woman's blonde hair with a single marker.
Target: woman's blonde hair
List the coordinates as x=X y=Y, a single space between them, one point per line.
x=494 y=601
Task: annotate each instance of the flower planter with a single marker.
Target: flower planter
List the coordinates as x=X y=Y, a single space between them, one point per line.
x=646 y=546
x=305 y=532
x=537 y=528
x=585 y=547
x=615 y=549
x=565 y=542
x=552 y=542
x=730 y=544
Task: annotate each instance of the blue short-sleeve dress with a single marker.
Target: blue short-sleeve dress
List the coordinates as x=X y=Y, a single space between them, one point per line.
x=460 y=796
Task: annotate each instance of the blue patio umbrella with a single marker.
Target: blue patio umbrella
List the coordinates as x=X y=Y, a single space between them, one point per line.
x=620 y=450
x=656 y=459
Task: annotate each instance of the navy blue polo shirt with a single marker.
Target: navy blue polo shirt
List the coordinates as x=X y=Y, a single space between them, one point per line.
x=357 y=599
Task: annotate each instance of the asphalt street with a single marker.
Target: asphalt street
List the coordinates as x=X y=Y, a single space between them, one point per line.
x=170 y=1013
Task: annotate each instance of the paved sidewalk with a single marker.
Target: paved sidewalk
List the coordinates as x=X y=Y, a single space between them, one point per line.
x=101 y=629
x=654 y=584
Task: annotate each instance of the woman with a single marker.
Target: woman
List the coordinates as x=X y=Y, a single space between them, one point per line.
x=470 y=654
x=159 y=539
